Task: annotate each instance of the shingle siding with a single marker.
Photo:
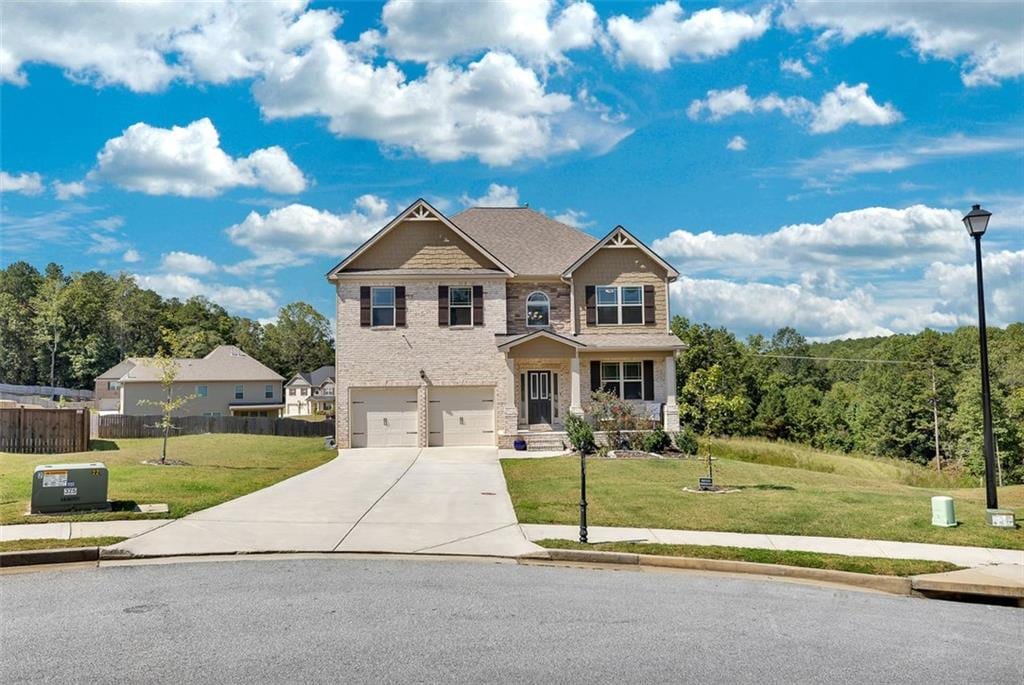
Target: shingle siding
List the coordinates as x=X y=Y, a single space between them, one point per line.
x=620 y=266
x=421 y=245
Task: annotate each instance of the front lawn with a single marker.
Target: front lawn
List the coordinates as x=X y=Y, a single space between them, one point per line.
x=773 y=499
x=835 y=562
x=220 y=468
x=57 y=543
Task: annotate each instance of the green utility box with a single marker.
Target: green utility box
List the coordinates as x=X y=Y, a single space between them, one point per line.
x=58 y=488
x=942 y=512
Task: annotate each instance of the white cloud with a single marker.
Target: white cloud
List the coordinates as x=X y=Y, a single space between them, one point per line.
x=795 y=67
x=761 y=307
x=497 y=196
x=146 y=46
x=29 y=183
x=872 y=239
x=187 y=263
x=231 y=297
x=737 y=144
x=188 y=161
x=663 y=35
x=131 y=256
x=574 y=218
x=105 y=243
x=839 y=107
x=70 y=190
x=439 y=31
x=984 y=36
x=494 y=109
x=289 y=235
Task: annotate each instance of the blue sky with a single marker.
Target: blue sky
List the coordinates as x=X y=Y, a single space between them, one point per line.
x=801 y=163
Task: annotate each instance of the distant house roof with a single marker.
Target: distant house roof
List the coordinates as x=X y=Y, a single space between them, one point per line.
x=224 y=363
x=315 y=378
x=529 y=242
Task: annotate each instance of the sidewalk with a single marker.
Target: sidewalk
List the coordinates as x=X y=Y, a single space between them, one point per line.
x=84 y=529
x=961 y=556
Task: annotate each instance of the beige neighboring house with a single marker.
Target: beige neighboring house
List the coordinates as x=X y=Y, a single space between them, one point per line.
x=226 y=382
x=496 y=324
x=310 y=392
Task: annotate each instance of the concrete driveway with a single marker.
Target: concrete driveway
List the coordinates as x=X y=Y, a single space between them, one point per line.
x=438 y=500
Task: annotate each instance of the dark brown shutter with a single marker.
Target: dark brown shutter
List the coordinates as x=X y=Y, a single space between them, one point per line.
x=478 y=305
x=649 y=305
x=648 y=379
x=364 y=305
x=442 y=305
x=591 y=305
x=400 y=305
x=595 y=373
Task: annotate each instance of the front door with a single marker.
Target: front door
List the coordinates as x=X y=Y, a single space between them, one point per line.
x=538 y=405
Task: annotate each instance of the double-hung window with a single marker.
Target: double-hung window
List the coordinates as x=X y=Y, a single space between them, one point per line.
x=382 y=306
x=202 y=390
x=620 y=305
x=623 y=379
x=239 y=392
x=268 y=392
x=460 y=306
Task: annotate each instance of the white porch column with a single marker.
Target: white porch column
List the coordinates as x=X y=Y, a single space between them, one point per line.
x=671 y=407
x=575 y=405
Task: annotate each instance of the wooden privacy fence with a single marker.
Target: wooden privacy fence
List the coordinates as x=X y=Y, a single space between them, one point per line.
x=44 y=431
x=118 y=426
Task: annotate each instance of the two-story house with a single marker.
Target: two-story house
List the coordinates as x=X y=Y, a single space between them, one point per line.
x=310 y=392
x=495 y=324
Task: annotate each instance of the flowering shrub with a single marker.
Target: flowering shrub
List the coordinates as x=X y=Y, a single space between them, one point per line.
x=613 y=415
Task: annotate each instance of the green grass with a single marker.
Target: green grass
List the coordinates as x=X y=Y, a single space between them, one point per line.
x=834 y=562
x=854 y=500
x=220 y=468
x=54 y=543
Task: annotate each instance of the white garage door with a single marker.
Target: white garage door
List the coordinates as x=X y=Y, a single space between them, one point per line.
x=461 y=416
x=384 y=417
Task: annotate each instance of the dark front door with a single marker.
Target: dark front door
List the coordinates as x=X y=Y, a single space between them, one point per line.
x=538 y=404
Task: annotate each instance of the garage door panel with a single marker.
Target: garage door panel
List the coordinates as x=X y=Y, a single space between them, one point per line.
x=384 y=417
x=461 y=416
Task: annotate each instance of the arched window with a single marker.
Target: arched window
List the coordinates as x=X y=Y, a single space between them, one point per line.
x=538 y=310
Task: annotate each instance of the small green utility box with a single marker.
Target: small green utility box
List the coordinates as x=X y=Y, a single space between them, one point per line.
x=58 y=488
x=942 y=512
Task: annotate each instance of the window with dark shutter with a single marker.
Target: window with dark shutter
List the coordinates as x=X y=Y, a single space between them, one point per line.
x=442 y=305
x=649 y=305
x=648 y=379
x=478 y=305
x=595 y=375
x=400 y=305
x=364 y=305
x=591 y=305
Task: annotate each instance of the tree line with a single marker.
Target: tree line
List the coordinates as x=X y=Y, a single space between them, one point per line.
x=66 y=329
x=870 y=395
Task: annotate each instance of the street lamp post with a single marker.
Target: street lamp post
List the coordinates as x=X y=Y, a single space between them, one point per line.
x=976 y=222
x=583 y=496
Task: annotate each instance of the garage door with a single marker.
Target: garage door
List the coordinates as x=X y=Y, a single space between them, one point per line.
x=384 y=417
x=461 y=416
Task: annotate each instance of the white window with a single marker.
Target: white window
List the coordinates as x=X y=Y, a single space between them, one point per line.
x=202 y=391
x=113 y=385
x=268 y=392
x=239 y=392
x=382 y=307
x=304 y=391
x=291 y=391
x=623 y=379
x=620 y=305
x=460 y=306
x=538 y=310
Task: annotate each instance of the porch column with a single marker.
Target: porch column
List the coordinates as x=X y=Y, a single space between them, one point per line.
x=510 y=411
x=575 y=405
x=671 y=407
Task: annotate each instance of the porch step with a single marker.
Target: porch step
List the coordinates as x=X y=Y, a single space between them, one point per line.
x=545 y=442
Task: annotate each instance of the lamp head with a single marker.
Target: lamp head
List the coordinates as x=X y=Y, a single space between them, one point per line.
x=976 y=221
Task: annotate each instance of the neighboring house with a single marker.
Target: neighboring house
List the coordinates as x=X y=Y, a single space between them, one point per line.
x=493 y=324
x=226 y=382
x=310 y=393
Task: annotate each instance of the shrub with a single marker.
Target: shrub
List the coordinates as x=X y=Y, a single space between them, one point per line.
x=656 y=441
x=613 y=415
x=686 y=441
x=581 y=435
x=636 y=441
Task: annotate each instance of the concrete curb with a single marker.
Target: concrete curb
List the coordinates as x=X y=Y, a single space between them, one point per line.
x=65 y=555
x=894 y=585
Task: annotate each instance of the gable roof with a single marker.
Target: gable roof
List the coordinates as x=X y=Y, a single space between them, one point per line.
x=224 y=363
x=420 y=210
x=514 y=340
x=316 y=377
x=616 y=235
x=530 y=242
x=117 y=370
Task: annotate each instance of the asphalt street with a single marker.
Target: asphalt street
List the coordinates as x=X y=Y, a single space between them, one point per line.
x=402 y=620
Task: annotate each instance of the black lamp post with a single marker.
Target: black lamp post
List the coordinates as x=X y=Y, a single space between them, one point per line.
x=976 y=222
x=583 y=495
